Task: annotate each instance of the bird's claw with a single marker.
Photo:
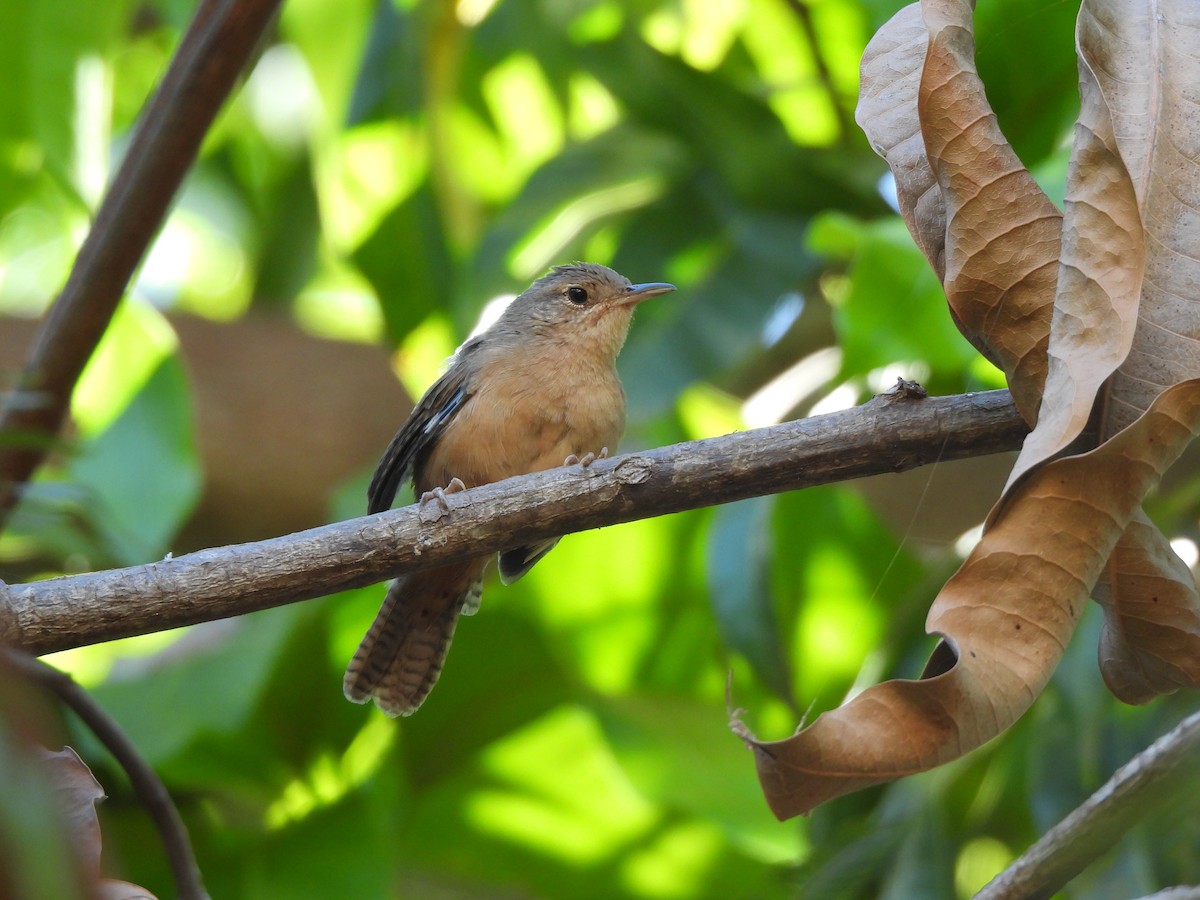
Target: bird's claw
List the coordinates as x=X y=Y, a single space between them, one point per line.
x=439 y=494
x=587 y=459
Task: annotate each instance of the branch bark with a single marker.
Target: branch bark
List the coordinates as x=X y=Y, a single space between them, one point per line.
x=219 y=42
x=1159 y=775
x=891 y=433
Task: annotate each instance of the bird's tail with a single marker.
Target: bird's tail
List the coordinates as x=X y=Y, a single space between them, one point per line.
x=401 y=657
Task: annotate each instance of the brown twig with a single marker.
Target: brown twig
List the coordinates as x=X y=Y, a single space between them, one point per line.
x=889 y=434
x=1144 y=785
x=146 y=784
x=220 y=40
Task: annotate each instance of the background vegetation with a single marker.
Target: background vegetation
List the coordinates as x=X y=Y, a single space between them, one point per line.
x=387 y=170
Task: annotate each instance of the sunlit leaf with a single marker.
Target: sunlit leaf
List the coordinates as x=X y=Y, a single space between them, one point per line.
x=912 y=324
x=677 y=755
x=141 y=473
x=413 y=283
x=55 y=98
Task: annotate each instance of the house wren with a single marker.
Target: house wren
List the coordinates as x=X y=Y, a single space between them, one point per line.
x=532 y=391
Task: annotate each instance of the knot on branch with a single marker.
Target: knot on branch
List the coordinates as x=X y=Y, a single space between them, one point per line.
x=633 y=470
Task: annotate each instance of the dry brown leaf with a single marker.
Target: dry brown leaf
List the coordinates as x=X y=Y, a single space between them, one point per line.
x=112 y=889
x=1136 y=169
x=1146 y=67
x=1150 y=644
x=997 y=250
x=78 y=791
x=887 y=113
x=1141 y=70
x=1002 y=236
x=1007 y=614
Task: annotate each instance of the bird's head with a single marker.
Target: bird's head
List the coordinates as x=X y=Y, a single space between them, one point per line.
x=584 y=304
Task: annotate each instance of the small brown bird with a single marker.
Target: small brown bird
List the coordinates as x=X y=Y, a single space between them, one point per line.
x=531 y=392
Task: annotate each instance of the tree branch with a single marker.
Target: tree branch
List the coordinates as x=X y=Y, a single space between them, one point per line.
x=146 y=785
x=219 y=42
x=1144 y=785
x=891 y=433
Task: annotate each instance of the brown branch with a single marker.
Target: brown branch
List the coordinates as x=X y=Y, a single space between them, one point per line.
x=1161 y=774
x=889 y=434
x=146 y=785
x=219 y=42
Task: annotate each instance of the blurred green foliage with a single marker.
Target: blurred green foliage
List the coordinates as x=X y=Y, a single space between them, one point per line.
x=386 y=169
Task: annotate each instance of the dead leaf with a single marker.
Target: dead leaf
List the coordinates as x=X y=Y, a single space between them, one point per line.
x=887 y=113
x=1002 y=235
x=78 y=793
x=1138 y=58
x=988 y=230
x=1150 y=643
x=1145 y=66
x=1007 y=614
x=1099 y=281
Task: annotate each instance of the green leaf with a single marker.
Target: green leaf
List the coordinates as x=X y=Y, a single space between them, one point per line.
x=739 y=588
x=891 y=307
x=680 y=754
x=141 y=473
x=53 y=71
x=408 y=262
x=208 y=692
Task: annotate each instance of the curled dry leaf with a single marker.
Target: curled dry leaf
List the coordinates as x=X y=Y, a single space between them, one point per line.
x=1140 y=63
x=1007 y=615
x=1099 y=280
x=78 y=792
x=1143 y=56
x=887 y=113
x=1124 y=291
x=1002 y=234
x=1150 y=643
x=988 y=230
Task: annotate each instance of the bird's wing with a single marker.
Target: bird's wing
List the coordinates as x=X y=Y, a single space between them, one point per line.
x=516 y=562
x=425 y=425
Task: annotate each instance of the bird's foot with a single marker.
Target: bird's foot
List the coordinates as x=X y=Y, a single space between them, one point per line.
x=587 y=459
x=439 y=494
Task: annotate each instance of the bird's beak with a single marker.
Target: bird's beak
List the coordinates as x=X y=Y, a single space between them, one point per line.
x=636 y=293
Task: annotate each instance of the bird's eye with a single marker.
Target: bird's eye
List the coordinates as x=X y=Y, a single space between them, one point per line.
x=577 y=295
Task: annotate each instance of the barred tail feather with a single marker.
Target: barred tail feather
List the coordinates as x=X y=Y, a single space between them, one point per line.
x=401 y=657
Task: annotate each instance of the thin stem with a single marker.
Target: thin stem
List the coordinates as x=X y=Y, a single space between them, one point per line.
x=1157 y=776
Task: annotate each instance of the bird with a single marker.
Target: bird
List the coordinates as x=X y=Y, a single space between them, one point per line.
x=535 y=390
